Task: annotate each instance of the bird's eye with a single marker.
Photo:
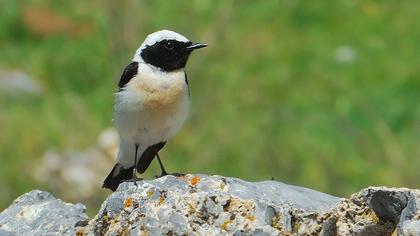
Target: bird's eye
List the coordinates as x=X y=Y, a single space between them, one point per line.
x=169 y=45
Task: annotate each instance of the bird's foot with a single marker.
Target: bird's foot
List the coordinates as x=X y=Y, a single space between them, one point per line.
x=174 y=174
x=134 y=178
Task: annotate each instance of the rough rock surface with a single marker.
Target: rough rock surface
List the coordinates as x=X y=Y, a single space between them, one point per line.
x=40 y=213
x=206 y=205
x=216 y=205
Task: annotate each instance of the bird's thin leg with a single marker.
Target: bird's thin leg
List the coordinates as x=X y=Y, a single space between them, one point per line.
x=135 y=163
x=164 y=171
x=161 y=166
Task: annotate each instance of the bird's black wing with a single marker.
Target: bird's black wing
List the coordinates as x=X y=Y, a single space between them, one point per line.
x=129 y=72
x=148 y=155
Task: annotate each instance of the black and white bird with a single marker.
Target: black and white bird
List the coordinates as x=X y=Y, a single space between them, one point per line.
x=151 y=104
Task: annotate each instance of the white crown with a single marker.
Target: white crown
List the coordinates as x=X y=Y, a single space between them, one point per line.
x=157 y=37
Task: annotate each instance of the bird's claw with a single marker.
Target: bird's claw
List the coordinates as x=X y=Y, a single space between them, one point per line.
x=174 y=174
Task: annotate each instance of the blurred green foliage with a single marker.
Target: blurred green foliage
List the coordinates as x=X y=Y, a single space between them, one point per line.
x=319 y=94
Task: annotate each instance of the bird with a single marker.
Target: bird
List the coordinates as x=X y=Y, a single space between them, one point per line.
x=151 y=104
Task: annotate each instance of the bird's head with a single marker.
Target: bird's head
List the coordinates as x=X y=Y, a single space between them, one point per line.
x=166 y=50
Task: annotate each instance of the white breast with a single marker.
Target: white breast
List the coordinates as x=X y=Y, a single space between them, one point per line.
x=152 y=107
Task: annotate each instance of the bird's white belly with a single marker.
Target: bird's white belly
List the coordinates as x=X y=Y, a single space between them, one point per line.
x=151 y=110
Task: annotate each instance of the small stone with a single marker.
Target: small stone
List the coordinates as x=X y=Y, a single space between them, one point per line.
x=387 y=205
x=329 y=227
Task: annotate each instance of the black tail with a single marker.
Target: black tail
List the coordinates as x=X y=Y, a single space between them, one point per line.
x=117 y=175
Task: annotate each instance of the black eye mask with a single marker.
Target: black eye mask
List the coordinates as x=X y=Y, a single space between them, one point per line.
x=167 y=55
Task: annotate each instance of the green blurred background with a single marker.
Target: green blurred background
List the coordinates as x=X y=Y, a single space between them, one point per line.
x=323 y=94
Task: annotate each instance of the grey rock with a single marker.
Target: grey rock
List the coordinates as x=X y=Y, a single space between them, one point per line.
x=411 y=228
x=40 y=213
x=15 y=83
x=217 y=205
x=207 y=205
x=386 y=204
x=409 y=223
x=6 y=233
x=329 y=227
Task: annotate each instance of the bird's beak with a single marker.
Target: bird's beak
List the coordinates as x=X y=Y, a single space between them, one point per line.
x=196 y=46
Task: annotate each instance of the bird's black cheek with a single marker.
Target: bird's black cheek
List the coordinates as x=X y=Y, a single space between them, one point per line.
x=167 y=60
x=180 y=62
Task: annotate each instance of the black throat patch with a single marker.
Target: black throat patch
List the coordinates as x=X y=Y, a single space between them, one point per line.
x=168 y=55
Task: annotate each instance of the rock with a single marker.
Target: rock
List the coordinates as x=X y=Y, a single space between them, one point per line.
x=207 y=205
x=15 y=83
x=386 y=205
x=409 y=222
x=217 y=205
x=40 y=213
x=77 y=174
x=411 y=228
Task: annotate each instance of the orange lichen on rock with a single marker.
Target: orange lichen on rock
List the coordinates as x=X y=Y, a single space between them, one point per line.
x=80 y=232
x=128 y=202
x=161 y=200
x=250 y=218
x=150 y=193
x=182 y=177
x=195 y=180
x=225 y=225
x=105 y=218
